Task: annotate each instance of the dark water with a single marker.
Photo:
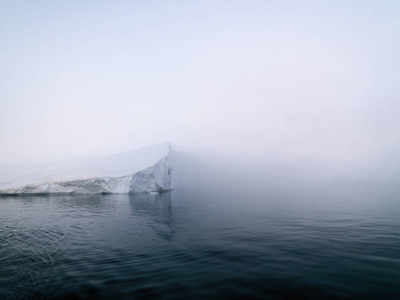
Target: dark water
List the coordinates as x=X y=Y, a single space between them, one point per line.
x=187 y=245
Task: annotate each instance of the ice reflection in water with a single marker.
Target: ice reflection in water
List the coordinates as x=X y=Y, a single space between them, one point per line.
x=159 y=210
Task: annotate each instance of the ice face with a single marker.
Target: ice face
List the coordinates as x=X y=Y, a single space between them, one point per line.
x=139 y=171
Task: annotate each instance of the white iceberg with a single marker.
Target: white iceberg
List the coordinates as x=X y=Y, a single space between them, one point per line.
x=140 y=171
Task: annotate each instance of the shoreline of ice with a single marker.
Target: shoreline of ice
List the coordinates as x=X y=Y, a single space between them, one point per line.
x=144 y=170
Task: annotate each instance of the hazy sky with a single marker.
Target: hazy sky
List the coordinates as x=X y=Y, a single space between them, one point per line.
x=262 y=80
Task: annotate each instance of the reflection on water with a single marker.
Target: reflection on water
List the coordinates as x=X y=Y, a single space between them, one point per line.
x=213 y=244
x=159 y=210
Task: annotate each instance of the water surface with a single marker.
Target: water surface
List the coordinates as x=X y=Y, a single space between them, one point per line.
x=191 y=244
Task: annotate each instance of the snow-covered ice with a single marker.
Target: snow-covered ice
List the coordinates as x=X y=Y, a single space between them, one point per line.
x=139 y=171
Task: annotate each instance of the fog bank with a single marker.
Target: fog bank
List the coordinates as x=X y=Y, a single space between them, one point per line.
x=286 y=90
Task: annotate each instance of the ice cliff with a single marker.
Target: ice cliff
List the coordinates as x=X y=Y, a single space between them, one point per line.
x=140 y=171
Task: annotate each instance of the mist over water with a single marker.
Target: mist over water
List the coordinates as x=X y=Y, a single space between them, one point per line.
x=234 y=175
x=284 y=122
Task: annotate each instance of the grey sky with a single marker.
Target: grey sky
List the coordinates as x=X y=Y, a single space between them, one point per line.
x=263 y=80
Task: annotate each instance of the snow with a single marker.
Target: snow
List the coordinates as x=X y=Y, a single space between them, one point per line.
x=139 y=171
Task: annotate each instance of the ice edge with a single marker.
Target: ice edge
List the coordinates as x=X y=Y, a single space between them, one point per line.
x=154 y=179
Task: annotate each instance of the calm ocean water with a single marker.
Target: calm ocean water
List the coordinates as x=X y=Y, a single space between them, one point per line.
x=186 y=244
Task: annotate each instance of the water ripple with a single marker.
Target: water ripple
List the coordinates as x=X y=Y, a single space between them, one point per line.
x=160 y=246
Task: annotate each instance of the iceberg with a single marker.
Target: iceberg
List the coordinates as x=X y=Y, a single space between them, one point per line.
x=146 y=170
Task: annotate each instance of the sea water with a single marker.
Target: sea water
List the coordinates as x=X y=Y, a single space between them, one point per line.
x=187 y=244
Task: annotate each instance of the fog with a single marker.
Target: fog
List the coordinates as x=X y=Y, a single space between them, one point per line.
x=289 y=92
